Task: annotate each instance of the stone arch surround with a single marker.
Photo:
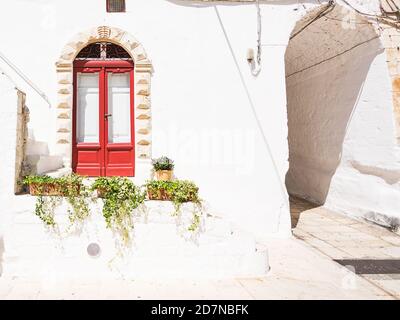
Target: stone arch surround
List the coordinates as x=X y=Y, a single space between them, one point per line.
x=143 y=70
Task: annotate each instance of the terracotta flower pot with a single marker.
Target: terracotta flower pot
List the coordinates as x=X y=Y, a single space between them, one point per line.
x=51 y=189
x=101 y=193
x=164 y=175
x=160 y=194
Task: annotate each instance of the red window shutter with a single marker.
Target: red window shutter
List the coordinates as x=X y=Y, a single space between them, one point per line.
x=115 y=5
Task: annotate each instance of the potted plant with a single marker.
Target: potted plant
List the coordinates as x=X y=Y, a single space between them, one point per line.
x=160 y=190
x=49 y=186
x=163 y=168
x=50 y=193
x=177 y=191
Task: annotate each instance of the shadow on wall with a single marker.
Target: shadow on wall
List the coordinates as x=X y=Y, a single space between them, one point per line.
x=326 y=66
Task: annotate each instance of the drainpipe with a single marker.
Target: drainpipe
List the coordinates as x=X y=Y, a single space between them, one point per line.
x=25 y=78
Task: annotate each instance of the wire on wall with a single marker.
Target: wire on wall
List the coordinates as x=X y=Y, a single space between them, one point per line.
x=394 y=22
x=324 y=11
x=256 y=66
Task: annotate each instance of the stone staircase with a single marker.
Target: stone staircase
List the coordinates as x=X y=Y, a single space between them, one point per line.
x=38 y=158
x=221 y=250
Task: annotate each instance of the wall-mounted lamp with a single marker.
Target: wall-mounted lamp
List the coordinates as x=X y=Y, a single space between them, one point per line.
x=254 y=64
x=250 y=56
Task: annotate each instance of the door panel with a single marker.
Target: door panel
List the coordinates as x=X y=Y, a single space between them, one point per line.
x=119 y=106
x=103 y=132
x=88 y=107
x=87 y=156
x=89 y=161
x=119 y=155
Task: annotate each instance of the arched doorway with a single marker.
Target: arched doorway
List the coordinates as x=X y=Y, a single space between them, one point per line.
x=121 y=51
x=334 y=64
x=103 y=111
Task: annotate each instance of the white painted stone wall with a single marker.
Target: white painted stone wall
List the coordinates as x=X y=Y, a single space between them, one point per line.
x=160 y=248
x=202 y=111
x=225 y=129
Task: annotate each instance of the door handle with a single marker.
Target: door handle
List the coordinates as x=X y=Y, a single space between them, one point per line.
x=107 y=115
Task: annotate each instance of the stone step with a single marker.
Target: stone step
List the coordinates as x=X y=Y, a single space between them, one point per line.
x=149 y=240
x=139 y=267
x=41 y=164
x=36 y=147
x=159 y=250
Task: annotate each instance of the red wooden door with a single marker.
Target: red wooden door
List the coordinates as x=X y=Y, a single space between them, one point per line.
x=103 y=118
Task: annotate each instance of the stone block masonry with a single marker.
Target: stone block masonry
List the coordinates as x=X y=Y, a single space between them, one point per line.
x=143 y=71
x=14 y=116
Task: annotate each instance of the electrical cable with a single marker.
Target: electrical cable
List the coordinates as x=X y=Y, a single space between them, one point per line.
x=330 y=58
x=330 y=6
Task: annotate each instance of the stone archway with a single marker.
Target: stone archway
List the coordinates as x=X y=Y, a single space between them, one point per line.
x=342 y=135
x=143 y=70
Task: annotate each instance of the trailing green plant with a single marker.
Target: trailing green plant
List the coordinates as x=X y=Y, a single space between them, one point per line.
x=50 y=192
x=45 y=209
x=122 y=201
x=77 y=198
x=41 y=180
x=196 y=222
x=184 y=191
x=179 y=192
x=162 y=163
x=121 y=197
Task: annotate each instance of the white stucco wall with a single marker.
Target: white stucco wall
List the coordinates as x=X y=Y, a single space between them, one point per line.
x=207 y=108
x=367 y=182
x=225 y=129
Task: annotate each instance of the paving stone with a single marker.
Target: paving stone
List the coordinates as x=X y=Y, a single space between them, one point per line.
x=5 y=287
x=23 y=291
x=363 y=253
x=382 y=276
x=393 y=286
x=358 y=243
x=392 y=239
x=393 y=251
x=341 y=237
x=372 y=230
x=260 y=289
x=337 y=227
x=334 y=253
x=301 y=234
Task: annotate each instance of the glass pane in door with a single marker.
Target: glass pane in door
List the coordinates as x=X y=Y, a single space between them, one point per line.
x=87 y=107
x=119 y=107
